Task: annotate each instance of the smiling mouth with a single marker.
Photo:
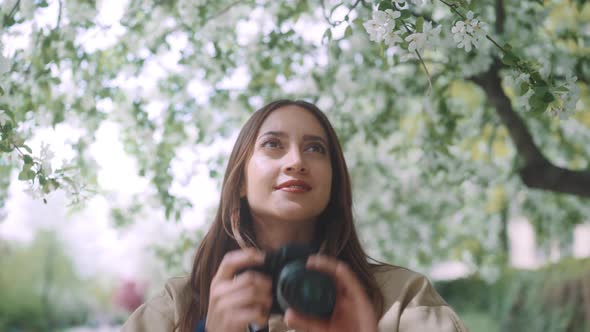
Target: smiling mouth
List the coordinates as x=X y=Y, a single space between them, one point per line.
x=295 y=189
x=294 y=186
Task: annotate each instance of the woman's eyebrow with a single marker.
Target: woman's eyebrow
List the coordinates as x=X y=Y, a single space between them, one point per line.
x=306 y=137
x=314 y=138
x=274 y=133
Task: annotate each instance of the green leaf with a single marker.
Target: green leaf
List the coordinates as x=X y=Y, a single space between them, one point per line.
x=26 y=147
x=46 y=188
x=420 y=24
x=327 y=35
x=509 y=59
x=27 y=159
x=26 y=174
x=541 y=98
x=548 y=97
x=348 y=31
x=386 y=4
x=524 y=87
x=5 y=146
x=539 y=81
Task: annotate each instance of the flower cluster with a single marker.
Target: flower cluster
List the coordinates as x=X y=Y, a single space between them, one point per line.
x=382 y=28
x=37 y=171
x=4 y=69
x=419 y=40
x=569 y=95
x=469 y=32
x=4 y=118
x=517 y=81
x=411 y=36
x=566 y=93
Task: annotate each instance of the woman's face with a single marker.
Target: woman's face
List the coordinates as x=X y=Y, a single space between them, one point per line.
x=289 y=174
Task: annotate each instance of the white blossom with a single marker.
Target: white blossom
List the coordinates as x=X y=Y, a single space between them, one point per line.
x=4 y=68
x=7 y=5
x=45 y=158
x=187 y=10
x=392 y=38
x=419 y=40
x=4 y=63
x=522 y=102
x=382 y=24
x=469 y=33
x=522 y=78
x=402 y=3
x=4 y=118
x=570 y=98
x=34 y=191
x=28 y=8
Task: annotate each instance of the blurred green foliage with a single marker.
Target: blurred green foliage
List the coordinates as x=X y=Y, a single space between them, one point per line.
x=555 y=298
x=41 y=290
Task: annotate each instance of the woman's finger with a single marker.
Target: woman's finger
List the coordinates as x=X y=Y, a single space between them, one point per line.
x=247 y=297
x=342 y=274
x=237 y=260
x=260 y=281
x=252 y=278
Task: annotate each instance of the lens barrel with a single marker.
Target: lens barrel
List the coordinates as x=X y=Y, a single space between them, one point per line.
x=309 y=292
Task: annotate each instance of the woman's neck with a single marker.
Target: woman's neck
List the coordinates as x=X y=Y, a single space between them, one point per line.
x=271 y=235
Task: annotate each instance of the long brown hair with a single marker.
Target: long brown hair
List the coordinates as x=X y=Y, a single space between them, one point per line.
x=232 y=226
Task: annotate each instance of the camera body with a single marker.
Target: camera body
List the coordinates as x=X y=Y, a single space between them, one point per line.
x=308 y=292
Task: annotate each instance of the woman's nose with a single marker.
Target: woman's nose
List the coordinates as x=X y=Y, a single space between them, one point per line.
x=299 y=169
x=295 y=163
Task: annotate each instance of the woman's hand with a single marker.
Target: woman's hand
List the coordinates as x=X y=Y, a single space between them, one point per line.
x=236 y=301
x=353 y=310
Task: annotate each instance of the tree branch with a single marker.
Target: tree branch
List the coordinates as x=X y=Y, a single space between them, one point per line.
x=337 y=23
x=13 y=10
x=224 y=10
x=500 y=17
x=60 y=2
x=538 y=172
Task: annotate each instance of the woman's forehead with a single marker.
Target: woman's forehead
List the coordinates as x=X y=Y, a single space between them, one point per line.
x=292 y=120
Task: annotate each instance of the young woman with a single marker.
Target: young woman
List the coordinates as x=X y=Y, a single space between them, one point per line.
x=287 y=182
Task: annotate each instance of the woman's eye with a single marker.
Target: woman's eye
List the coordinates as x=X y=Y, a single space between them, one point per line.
x=272 y=144
x=317 y=148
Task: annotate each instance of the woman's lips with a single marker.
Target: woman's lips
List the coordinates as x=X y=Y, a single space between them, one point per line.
x=297 y=190
x=294 y=186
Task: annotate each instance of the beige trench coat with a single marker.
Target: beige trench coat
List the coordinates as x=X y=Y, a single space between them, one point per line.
x=411 y=305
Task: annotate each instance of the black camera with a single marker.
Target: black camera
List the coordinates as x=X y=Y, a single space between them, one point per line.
x=306 y=291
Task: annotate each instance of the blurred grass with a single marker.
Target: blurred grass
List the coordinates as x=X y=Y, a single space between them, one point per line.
x=477 y=321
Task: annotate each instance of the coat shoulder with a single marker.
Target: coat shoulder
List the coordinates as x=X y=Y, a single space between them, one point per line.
x=411 y=303
x=400 y=284
x=163 y=310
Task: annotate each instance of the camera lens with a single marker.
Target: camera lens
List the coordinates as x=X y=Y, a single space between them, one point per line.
x=309 y=292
